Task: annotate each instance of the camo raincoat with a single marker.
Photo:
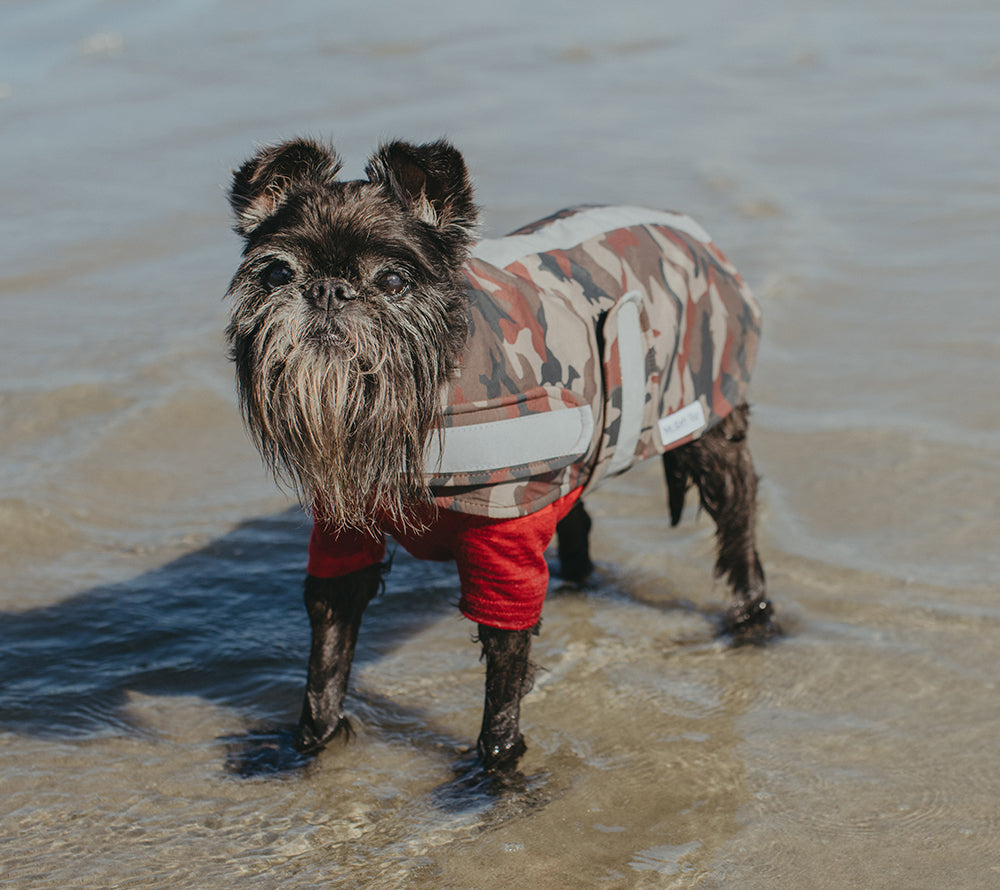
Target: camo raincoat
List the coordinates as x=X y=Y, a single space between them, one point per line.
x=598 y=337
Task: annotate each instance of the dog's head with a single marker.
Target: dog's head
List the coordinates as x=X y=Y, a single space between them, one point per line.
x=348 y=315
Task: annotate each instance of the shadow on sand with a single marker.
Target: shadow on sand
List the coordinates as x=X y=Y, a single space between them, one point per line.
x=224 y=623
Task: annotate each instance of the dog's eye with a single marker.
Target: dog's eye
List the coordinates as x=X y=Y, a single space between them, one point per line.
x=277 y=274
x=391 y=283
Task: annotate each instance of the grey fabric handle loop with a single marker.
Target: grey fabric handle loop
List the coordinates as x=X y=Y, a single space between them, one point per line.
x=499 y=444
x=632 y=361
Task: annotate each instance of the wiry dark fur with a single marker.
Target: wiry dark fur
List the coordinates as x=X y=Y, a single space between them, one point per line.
x=348 y=315
x=719 y=464
x=339 y=382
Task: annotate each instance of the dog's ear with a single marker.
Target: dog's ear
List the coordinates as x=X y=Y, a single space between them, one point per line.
x=264 y=182
x=431 y=181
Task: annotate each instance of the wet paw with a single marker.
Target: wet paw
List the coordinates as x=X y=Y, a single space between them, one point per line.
x=310 y=741
x=576 y=580
x=500 y=756
x=751 y=623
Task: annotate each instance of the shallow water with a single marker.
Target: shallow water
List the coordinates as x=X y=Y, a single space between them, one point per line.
x=152 y=640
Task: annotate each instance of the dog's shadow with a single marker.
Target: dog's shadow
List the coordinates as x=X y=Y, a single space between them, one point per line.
x=224 y=623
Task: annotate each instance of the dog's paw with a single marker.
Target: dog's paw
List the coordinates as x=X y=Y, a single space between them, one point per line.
x=500 y=755
x=576 y=571
x=751 y=623
x=310 y=740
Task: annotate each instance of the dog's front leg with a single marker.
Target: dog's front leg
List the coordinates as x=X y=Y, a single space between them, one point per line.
x=508 y=679
x=335 y=607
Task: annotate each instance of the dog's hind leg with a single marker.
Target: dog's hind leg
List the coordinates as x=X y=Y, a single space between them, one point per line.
x=719 y=463
x=508 y=680
x=573 y=541
x=335 y=607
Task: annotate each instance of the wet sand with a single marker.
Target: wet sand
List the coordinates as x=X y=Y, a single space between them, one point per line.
x=152 y=639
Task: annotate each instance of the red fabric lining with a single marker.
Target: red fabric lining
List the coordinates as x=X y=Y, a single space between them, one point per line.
x=501 y=562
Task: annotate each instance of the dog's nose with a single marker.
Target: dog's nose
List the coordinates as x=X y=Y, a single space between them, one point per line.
x=330 y=293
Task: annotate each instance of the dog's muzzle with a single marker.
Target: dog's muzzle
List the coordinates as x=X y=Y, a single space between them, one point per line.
x=329 y=294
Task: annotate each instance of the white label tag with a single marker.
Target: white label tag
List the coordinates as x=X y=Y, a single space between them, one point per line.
x=687 y=420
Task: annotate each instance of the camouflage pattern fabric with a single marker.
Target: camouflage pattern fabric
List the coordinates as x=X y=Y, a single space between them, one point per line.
x=564 y=315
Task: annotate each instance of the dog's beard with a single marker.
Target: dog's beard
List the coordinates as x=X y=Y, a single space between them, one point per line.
x=341 y=410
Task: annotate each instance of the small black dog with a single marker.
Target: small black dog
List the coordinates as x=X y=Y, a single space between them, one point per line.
x=461 y=396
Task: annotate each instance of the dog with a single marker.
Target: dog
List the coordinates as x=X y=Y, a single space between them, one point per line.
x=402 y=377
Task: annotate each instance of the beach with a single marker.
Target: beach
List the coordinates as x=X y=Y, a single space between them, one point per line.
x=843 y=155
